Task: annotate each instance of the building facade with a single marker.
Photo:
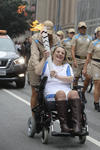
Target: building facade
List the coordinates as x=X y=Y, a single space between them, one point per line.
x=88 y=10
x=67 y=13
x=61 y=12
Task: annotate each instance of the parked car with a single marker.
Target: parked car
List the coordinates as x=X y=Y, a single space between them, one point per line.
x=12 y=65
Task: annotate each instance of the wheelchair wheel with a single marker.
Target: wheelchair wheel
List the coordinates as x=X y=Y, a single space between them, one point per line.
x=31 y=127
x=44 y=137
x=82 y=139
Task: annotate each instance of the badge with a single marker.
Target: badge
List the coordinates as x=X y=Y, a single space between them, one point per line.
x=96 y=75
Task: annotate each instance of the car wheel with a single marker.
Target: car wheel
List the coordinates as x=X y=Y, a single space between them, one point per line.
x=20 y=83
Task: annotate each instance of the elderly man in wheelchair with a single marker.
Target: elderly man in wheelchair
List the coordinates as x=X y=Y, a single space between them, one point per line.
x=58 y=94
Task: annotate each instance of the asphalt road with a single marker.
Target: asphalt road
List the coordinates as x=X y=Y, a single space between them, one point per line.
x=14 y=113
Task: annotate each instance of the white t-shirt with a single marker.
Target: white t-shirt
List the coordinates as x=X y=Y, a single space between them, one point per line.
x=53 y=85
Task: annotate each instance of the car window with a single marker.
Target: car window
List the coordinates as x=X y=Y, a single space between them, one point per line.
x=6 y=45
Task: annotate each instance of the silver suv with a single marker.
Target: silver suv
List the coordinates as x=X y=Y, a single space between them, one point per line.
x=12 y=65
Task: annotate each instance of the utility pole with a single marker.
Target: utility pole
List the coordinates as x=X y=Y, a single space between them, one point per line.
x=77 y=2
x=58 y=15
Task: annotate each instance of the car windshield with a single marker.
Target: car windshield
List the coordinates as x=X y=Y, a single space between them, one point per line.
x=6 y=45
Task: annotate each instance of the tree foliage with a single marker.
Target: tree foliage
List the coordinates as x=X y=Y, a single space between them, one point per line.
x=10 y=20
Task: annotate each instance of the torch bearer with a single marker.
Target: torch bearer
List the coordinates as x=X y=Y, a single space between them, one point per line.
x=35 y=26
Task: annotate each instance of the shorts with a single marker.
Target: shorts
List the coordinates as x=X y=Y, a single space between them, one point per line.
x=33 y=79
x=89 y=70
x=95 y=70
x=77 y=71
x=51 y=97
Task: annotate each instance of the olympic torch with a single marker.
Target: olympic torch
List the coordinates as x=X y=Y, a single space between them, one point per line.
x=47 y=47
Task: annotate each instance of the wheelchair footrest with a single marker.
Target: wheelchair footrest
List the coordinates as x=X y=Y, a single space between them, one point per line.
x=54 y=133
x=80 y=134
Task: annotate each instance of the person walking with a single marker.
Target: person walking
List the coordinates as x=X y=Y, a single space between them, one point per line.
x=67 y=44
x=94 y=56
x=27 y=50
x=80 y=44
x=37 y=56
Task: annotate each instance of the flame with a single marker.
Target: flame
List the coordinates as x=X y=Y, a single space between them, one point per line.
x=35 y=26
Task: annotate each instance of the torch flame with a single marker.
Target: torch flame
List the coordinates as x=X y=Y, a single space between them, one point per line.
x=35 y=26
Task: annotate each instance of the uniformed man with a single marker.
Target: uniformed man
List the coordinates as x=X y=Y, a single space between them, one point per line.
x=95 y=34
x=67 y=44
x=80 y=44
x=37 y=55
x=94 y=55
x=60 y=34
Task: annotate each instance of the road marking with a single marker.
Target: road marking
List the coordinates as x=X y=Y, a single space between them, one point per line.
x=94 y=141
x=19 y=98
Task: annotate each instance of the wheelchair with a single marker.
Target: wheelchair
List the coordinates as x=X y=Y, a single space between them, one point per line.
x=45 y=115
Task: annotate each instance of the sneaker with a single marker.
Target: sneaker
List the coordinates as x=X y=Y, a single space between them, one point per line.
x=97 y=107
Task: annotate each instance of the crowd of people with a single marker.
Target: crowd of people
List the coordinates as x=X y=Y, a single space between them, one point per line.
x=24 y=48
x=83 y=54
x=78 y=52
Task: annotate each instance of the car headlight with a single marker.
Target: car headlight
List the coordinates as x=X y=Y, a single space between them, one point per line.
x=19 y=61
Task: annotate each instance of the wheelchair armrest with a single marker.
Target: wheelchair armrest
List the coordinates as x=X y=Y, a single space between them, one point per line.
x=43 y=83
x=41 y=90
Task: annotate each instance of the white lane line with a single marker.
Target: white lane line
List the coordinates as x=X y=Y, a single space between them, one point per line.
x=92 y=140
x=19 y=98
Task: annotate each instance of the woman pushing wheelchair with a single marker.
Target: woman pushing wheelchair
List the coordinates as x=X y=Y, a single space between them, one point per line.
x=58 y=88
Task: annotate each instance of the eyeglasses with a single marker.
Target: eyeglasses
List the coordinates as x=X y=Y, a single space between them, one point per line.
x=83 y=27
x=71 y=32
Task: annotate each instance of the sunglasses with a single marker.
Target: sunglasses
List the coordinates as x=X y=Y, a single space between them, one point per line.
x=83 y=27
x=72 y=32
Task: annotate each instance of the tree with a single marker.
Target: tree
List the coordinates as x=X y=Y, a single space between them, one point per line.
x=10 y=20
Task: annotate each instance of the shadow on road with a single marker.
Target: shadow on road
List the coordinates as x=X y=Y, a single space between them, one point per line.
x=61 y=143
x=7 y=85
